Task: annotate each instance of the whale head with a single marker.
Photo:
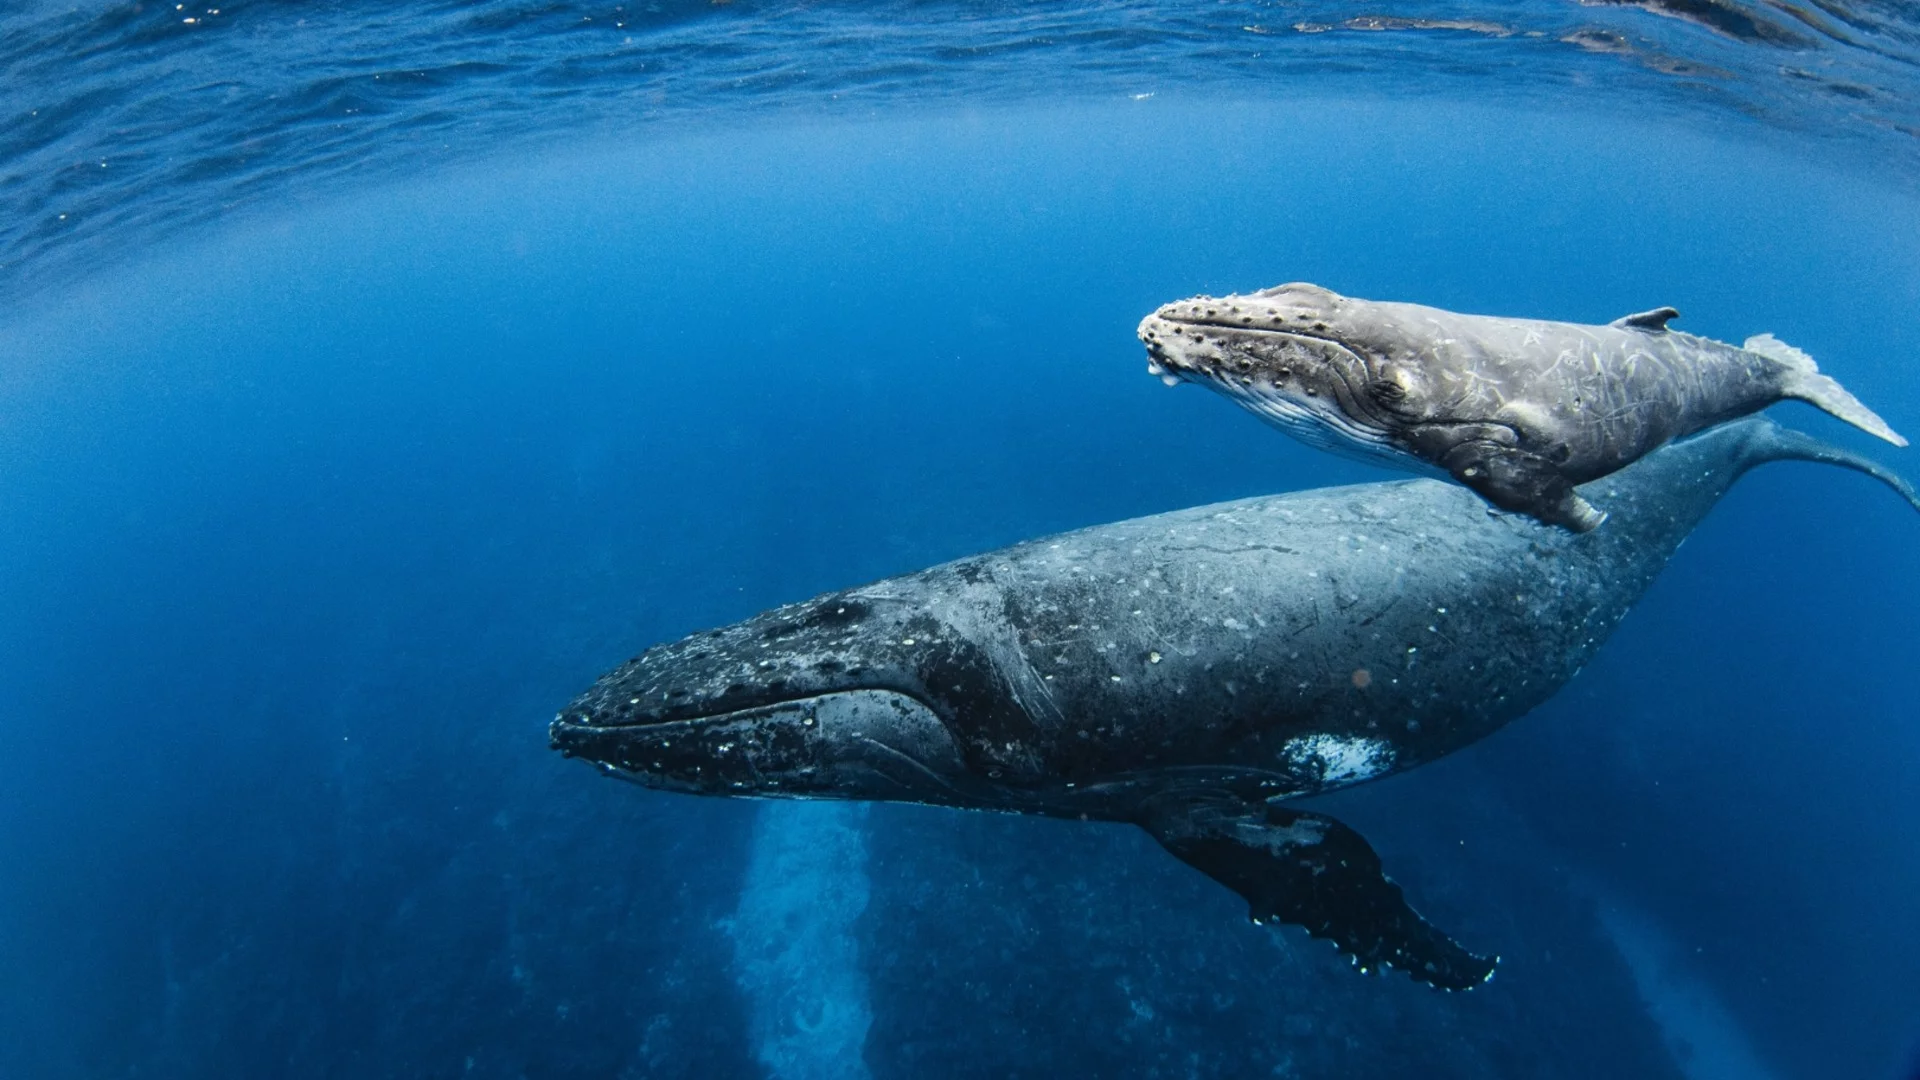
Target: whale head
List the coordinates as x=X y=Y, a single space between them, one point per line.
x=842 y=696
x=1329 y=370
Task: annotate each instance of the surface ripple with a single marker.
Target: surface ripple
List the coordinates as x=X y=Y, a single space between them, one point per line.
x=122 y=123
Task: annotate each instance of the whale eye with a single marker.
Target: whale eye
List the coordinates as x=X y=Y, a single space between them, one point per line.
x=1391 y=388
x=1387 y=391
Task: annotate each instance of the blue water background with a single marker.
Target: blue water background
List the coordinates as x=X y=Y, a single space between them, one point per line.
x=310 y=527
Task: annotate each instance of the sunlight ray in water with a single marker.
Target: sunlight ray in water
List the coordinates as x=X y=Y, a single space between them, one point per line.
x=1702 y=1032
x=794 y=943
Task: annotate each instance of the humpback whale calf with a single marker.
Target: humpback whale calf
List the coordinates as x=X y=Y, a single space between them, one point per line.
x=1187 y=672
x=1519 y=410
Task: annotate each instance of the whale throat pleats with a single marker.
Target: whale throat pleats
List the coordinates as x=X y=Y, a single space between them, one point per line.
x=1312 y=871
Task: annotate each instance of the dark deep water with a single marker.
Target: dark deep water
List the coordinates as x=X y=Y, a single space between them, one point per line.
x=313 y=516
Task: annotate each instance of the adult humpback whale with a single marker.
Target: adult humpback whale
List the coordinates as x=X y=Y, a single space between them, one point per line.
x=1519 y=410
x=1185 y=672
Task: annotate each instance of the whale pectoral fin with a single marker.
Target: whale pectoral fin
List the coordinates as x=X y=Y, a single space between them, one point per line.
x=1655 y=320
x=1307 y=869
x=1522 y=482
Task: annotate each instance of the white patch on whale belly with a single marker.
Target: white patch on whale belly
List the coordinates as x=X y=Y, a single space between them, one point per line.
x=1339 y=759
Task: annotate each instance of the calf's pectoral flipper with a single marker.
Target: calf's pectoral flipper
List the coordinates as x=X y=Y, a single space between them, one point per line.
x=1526 y=483
x=1307 y=869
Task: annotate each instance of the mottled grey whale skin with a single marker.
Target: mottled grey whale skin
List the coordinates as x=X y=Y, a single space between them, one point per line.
x=1186 y=672
x=1519 y=410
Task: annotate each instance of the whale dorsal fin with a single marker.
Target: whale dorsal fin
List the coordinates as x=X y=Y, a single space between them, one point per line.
x=1653 y=321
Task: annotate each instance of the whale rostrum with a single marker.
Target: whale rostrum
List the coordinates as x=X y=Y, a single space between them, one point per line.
x=1519 y=410
x=1188 y=672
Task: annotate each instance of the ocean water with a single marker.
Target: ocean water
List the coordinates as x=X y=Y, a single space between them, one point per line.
x=371 y=380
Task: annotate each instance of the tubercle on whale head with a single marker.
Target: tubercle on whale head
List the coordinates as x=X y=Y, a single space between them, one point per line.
x=1297 y=305
x=1379 y=350
x=827 y=698
x=1303 y=359
x=789 y=652
x=1177 y=334
x=1367 y=344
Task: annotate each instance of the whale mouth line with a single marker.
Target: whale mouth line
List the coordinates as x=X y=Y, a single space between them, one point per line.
x=667 y=729
x=1164 y=354
x=1275 y=331
x=1322 y=338
x=883 y=742
x=688 y=723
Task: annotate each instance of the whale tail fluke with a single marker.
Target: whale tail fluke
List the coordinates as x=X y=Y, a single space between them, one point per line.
x=1767 y=441
x=1805 y=383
